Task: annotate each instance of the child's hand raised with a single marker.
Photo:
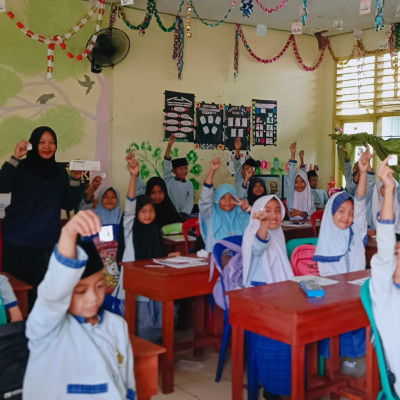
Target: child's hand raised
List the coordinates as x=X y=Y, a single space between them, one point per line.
x=85 y=223
x=96 y=182
x=215 y=164
x=134 y=168
x=301 y=153
x=242 y=203
x=364 y=161
x=238 y=143
x=171 y=140
x=130 y=157
x=385 y=174
x=293 y=148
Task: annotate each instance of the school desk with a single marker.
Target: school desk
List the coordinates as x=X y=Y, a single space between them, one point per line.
x=293 y=231
x=21 y=292
x=178 y=245
x=167 y=284
x=281 y=311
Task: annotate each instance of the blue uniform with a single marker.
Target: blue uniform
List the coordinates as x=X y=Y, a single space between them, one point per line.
x=71 y=359
x=7 y=294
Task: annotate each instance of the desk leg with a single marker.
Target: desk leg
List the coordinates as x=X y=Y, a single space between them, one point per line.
x=237 y=362
x=168 y=342
x=333 y=363
x=199 y=322
x=372 y=374
x=130 y=311
x=298 y=359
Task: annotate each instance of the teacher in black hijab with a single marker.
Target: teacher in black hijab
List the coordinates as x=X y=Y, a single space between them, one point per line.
x=40 y=187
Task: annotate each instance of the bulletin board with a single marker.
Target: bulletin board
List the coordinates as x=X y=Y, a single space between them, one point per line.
x=264 y=121
x=237 y=124
x=209 y=130
x=179 y=116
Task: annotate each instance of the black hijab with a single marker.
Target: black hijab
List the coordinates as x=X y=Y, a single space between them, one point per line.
x=165 y=211
x=251 y=197
x=46 y=169
x=147 y=239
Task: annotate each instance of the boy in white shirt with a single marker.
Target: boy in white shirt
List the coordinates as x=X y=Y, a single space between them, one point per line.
x=77 y=349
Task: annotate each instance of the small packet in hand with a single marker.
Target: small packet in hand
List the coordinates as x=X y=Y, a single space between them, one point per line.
x=29 y=146
x=106 y=234
x=393 y=160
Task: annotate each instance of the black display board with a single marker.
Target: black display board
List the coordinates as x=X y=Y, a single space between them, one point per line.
x=264 y=121
x=237 y=124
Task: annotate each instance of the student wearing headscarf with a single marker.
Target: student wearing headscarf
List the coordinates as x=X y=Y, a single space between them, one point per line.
x=166 y=213
x=256 y=189
x=385 y=275
x=221 y=214
x=265 y=261
x=300 y=200
x=142 y=240
x=341 y=247
x=40 y=187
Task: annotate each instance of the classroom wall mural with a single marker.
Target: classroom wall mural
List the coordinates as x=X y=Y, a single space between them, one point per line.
x=75 y=103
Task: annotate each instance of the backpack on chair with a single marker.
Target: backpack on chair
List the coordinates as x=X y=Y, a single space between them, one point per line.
x=231 y=276
x=302 y=262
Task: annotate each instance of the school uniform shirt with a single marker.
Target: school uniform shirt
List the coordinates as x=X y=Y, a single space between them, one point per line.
x=7 y=293
x=342 y=250
x=71 y=359
x=320 y=197
x=302 y=201
x=264 y=261
x=351 y=187
x=377 y=200
x=181 y=193
x=240 y=189
x=386 y=296
x=216 y=224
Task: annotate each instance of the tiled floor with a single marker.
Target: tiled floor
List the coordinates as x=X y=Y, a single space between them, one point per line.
x=194 y=378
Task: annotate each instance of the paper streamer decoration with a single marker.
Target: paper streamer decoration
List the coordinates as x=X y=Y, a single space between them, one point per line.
x=179 y=116
x=237 y=124
x=209 y=130
x=264 y=121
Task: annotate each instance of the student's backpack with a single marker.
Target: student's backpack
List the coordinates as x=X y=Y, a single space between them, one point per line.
x=231 y=276
x=301 y=260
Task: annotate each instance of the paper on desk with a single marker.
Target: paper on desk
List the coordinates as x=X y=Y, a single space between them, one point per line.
x=181 y=262
x=299 y=224
x=359 y=282
x=319 y=280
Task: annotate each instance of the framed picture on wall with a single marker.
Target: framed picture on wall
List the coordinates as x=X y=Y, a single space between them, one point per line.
x=274 y=184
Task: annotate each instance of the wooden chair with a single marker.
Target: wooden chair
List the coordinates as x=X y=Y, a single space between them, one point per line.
x=316 y=216
x=190 y=223
x=145 y=356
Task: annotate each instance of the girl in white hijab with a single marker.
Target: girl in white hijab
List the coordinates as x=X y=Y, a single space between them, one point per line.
x=264 y=249
x=265 y=261
x=300 y=200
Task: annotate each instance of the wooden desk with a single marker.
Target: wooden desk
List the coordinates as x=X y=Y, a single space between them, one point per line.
x=295 y=232
x=281 y=311
x=370 y=249
x=21 y=292
x=166 y=285
x=174 y=245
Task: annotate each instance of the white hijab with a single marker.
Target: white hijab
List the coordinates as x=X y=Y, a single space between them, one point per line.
x=333 y=242
x=303 y=201
x=377 y=200
x=275 y=262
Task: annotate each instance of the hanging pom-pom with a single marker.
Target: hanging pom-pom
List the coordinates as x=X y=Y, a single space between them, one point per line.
x=379 y=20
x=246 y=8
x=304 y=13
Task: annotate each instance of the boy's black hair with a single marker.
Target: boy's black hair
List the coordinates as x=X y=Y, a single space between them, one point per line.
x=179 y=162
x=311 y=173
x=251 y=162
x=94 y=263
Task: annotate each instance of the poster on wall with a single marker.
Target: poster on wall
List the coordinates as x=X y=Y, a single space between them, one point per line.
x=179 y=116
x=237 y=124
x=209 y=130
x=264 y=121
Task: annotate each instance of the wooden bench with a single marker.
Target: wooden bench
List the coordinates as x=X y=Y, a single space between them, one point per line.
x=145 y=356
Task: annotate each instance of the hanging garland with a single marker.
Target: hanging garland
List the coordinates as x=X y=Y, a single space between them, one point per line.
x=159 y=22
x=60 y=40
x=271 y=10
x=188 y=20
x=151 y=5
x=215 y=24
x=292 y=41
x=246 y=8
x=393 y=40
x=379 y=20
x=179 y=41
x=236 y=54
x=304 y=14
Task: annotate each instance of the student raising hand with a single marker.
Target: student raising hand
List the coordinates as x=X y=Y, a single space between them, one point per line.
x=85 y=223
x=293 y=148
x=242 y=203
x=22 y=149
x=215 y=163
x=364 y=161
x=385 y=174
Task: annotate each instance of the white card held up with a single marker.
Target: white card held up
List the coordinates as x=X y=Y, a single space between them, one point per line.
x=84 y=165
x=106 y=234
x=393 y=160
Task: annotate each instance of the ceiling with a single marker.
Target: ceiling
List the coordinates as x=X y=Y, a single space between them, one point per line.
x=321 y=13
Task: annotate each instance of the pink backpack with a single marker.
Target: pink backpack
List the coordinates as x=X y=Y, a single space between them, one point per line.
x=301 y=260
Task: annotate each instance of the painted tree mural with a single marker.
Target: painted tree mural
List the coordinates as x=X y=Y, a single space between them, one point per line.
x=28 y=99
